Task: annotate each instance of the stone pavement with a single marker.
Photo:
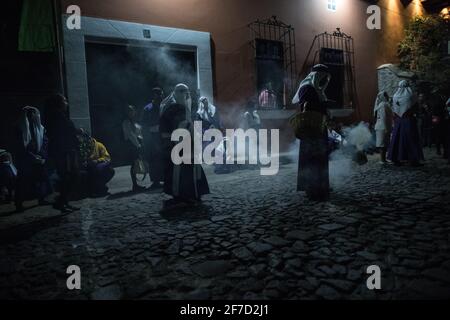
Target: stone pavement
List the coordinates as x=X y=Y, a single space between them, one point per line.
x=254 y=237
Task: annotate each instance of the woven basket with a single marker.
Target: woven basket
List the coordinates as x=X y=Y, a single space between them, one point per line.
x=309 y=124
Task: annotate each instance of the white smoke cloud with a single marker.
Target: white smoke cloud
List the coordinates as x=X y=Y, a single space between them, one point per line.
x=360 y=136
x=341 y=166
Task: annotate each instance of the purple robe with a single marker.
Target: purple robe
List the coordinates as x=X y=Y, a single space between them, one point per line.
x=405 y=141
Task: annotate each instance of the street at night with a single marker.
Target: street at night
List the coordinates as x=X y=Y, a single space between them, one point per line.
x=254 y=237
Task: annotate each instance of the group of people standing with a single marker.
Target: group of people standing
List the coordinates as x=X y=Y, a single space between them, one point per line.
x=55 y=144
x=149 y=141
x=60 y=145
x=399 y=137
x=408 y=122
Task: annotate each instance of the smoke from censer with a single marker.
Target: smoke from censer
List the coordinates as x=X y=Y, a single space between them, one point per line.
x=341 y=166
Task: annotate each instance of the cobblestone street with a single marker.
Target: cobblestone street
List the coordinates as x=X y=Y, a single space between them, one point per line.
x=254 y=237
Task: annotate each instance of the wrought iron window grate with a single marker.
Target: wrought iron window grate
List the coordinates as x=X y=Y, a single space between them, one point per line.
x=335 y=49
x=282 y=37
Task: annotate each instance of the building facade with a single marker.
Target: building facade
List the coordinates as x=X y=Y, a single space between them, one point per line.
x=211 y=37
x=234 y=77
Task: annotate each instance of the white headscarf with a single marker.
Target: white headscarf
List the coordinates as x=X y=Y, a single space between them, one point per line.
x=380 y=102
x=36 y=127
x=403 y=99
x=314 y=79
x=177 y=96
x=204 y=114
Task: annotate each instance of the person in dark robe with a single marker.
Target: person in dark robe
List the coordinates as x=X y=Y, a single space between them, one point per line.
x=134 y=143
x=313 y=174
x=152 y=138
x=63 y=149
x=405 y=143
x=8 y=175
x=185 y=182
x=438 y=121
x=424 y=120
x=31 y=159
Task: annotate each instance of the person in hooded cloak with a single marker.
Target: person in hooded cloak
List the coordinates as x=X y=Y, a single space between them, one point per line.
x=63 y=149
x=185 y=182
x=313 y=174
x=405 y=142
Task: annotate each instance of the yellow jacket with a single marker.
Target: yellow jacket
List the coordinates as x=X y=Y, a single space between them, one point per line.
x=99 y=152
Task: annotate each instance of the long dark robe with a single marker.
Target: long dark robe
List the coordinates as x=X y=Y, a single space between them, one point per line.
x=32 y=177
x=313 y=173
x=152 y=142
x=64 y=151
x=405 y=142
x=186 y=181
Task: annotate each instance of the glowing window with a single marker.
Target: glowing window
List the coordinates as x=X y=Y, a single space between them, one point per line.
x=332 y=5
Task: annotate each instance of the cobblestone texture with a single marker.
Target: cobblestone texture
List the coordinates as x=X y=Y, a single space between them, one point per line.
x=254 y=237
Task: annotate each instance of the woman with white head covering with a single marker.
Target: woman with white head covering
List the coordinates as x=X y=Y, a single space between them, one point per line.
x=382 y=114
x=185 y=182
x=310 y=97
x=30 y=158
x=8 y=174
x=318 y=78
x=405 y=142
x=132 y=132
x=207 y=114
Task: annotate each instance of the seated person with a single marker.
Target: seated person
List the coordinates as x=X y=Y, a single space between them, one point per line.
x=8 y=174
x=95 y=161
x=99 y=168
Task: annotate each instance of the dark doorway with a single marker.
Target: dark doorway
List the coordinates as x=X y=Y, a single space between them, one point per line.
x=119 y=75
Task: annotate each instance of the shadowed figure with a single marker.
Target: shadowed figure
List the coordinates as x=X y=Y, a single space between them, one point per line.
x=313 y=173
x=405 y=142
x=152 y=138
x=186 y=183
